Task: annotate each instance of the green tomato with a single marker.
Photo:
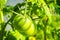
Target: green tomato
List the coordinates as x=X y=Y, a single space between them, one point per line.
x=24 y=25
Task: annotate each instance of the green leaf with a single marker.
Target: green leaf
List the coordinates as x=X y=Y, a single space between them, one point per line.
x=7 y=10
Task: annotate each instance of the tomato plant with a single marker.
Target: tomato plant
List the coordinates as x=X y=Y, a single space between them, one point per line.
x=30 y=20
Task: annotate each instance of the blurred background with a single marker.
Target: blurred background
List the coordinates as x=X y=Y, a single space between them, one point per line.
x=13 y=2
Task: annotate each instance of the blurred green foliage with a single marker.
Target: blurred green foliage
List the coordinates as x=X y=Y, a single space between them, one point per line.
x=45 y=14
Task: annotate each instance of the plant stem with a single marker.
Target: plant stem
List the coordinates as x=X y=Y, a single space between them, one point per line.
x=25 y=8
x=3 y=28
x=2 y=24
x=45 y=23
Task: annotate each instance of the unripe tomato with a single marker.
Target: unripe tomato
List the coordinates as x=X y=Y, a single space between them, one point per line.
x=24 y=25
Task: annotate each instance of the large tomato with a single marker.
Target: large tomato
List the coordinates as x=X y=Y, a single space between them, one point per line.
x=24 y=25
